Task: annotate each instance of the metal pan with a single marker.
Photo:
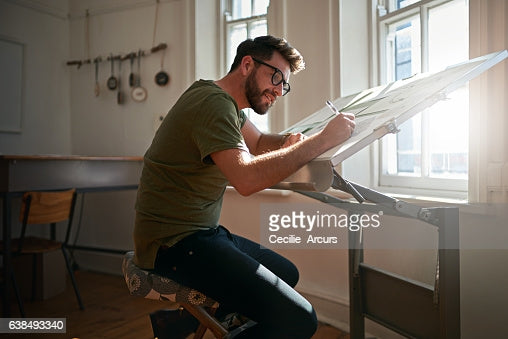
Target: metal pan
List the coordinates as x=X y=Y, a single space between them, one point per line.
x=112 y=80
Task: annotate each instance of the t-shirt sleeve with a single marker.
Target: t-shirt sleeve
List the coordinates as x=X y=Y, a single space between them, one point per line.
x=218 y=127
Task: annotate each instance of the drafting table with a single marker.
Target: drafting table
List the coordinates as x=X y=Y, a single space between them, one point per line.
x=379 y=111
x=21 y=173
x=408 y=307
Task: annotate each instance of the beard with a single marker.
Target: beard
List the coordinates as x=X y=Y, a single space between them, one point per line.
x=255 y=96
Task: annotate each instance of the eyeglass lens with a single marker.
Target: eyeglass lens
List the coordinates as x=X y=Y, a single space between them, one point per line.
x=277 y=78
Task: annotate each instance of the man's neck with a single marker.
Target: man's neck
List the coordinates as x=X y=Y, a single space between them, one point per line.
x=234 y=86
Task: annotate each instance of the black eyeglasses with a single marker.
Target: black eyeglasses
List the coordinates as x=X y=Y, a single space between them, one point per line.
x=277 y=77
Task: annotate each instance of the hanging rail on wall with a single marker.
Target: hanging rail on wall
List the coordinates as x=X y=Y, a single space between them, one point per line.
x=122 y=57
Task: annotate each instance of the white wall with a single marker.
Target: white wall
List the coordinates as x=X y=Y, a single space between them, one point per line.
x=45 y=119
x=99 y=125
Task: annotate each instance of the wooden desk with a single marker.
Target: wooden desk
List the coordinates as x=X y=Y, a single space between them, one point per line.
x=21 y=173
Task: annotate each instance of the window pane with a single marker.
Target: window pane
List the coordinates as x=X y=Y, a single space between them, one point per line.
x=258 y=28
x=448 y=140
x=402 y=150
x=260 y=7
x=237 y=33
x=405 y=3
x=403 y=48
x=241 y=9
x=393 y=5
x=448 y=35
x=409 y=147
x=403 y=51
x=404 y=60
x=449 y=125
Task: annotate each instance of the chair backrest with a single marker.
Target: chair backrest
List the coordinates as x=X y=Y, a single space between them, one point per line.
x=46 y=207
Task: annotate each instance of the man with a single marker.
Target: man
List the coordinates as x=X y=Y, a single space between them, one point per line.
x=204 y=144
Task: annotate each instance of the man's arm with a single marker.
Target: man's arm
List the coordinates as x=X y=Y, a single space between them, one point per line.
x=250 y=174
x=259 y=143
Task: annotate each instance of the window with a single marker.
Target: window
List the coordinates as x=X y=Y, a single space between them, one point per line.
x=246 y=19
x=431 y=149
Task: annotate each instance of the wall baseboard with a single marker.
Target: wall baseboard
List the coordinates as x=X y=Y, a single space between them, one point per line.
x=99 y=262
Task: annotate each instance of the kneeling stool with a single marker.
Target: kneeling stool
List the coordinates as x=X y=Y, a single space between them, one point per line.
x=147 y=284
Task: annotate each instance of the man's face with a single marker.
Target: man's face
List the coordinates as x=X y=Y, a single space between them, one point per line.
x=259 y=90
x=257 y=98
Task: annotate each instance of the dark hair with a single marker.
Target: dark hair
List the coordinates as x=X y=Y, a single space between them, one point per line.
x=263 y=47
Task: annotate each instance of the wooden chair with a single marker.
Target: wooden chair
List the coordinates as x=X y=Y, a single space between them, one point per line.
x=39 y=208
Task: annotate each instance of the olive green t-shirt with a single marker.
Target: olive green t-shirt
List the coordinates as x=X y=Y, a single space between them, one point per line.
x=181 y=189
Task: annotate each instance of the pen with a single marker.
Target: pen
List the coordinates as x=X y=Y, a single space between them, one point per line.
x=332 y=107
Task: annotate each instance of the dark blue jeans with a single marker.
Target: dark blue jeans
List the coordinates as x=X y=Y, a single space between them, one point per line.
x=243 y=277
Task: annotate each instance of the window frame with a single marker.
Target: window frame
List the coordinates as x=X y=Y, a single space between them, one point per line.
x=402 y=184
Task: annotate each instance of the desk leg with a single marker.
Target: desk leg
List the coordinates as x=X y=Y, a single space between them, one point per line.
x=7 y=259
x=356 y=319
x=449 y=272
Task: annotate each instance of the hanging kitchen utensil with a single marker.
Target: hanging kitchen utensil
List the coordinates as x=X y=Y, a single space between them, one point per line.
x=162 y=78
x=112 y=81
x=139 y=93
x=119 y=94
x=132 y=76
x=97 y=88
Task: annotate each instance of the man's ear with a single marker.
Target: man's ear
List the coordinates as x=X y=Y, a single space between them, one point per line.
x=247 y=65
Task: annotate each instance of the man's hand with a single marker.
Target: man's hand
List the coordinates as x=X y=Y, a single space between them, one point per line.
x=338 y=130
x=291 y=139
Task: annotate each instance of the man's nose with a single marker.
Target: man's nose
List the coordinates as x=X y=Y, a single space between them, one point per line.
x=279 y=89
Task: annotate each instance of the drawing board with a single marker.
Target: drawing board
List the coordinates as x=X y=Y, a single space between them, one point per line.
x=379 y=111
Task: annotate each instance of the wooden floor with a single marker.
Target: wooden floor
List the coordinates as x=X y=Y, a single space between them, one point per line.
x=110 y=312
